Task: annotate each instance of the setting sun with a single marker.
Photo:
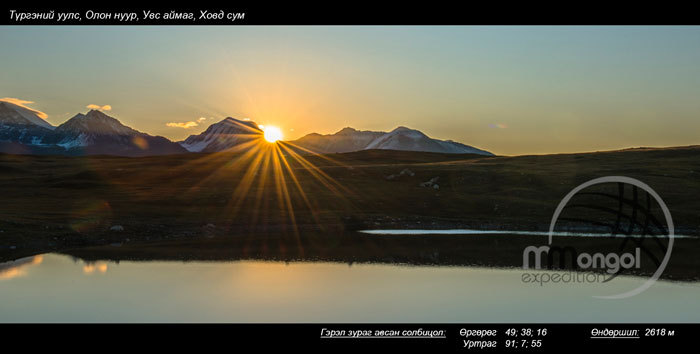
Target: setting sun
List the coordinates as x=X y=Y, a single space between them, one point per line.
x=272 y=134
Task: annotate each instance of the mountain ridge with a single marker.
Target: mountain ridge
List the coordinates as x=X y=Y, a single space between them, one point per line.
x=400 y=138
x=95 y=132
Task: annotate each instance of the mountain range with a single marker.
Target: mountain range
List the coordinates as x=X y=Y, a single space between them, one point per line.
x=22 y=131
x=401 y=138
x=95 y=133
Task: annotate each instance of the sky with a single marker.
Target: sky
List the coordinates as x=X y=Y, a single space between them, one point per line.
x=509 y=90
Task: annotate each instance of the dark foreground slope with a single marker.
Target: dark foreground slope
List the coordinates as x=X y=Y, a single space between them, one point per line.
x=55 y=202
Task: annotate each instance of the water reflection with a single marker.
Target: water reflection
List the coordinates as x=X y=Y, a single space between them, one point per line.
x=19 y=267
x=90 y=268
x=499 y=251
x=274 y=291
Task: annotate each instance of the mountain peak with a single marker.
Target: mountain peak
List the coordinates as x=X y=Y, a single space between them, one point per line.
x=95 y=122
x=94 y=113
x=408 y=133
x=240 y=123
x=18 y=113
x=346 y=130
x=401 y=128
x=97 y=133
x=221 y=136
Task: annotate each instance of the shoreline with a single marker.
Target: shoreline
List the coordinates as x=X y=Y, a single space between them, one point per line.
x=58 y=240
x=503 y=251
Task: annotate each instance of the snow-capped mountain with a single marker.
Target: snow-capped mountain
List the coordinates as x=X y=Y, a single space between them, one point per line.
x=84 y=134
x=222 y=136
x=401 y=138
x=24 y=131
x=20 y=127
x=93 y=128
x=346 y=140
x=97 y=133
x=10 y=112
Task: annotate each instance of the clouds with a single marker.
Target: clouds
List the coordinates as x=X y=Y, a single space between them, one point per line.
x=22 y=103
x=186 y=125
x=100 y=108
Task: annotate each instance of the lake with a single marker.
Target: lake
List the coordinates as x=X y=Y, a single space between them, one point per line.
x=62 y=288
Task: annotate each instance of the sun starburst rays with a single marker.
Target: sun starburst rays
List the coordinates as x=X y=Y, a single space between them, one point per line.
x=264 y=187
